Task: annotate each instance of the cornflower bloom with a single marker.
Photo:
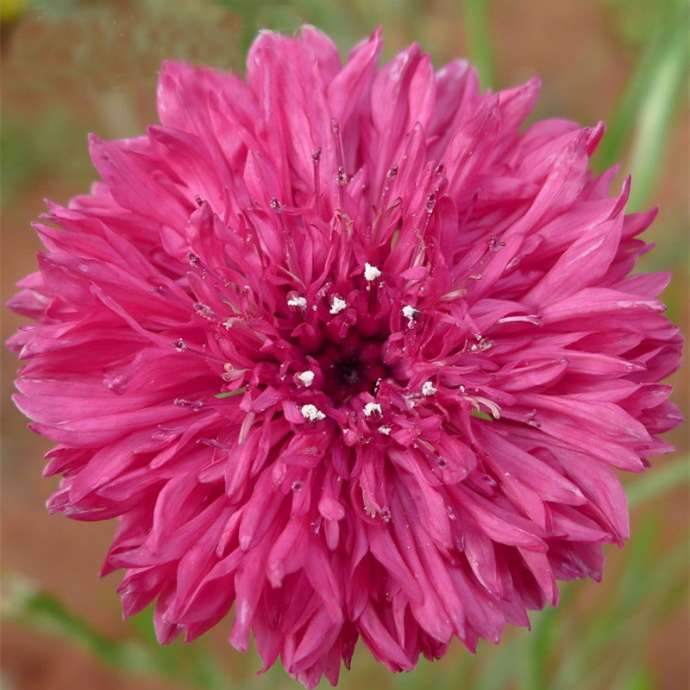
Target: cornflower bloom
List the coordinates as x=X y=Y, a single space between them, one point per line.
x=346 y=352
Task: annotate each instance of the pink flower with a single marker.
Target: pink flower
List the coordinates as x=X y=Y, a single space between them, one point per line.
x=348 y=353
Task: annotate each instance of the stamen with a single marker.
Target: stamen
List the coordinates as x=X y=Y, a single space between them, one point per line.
x=306 y=377
x=531 y=419
x=298 y=302
x=495 y=243
x=370 y=408
x=287 y=236
x=204 y=311
x=429 y=207
x=181 y=346
x=528 y=318
x=383 y=200
x=476 y=401
x=337 y=305
x=214 y=443
x=230 y=373
x=428 y=388
x=371 y=272
x=316 y=160
x=194 y=405
x=482 y=345
x=342 y=176
x=196 y=262
x=312 y=413
x=410 y=313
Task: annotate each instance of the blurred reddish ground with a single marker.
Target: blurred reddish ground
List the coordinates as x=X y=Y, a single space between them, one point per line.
x=88 y=74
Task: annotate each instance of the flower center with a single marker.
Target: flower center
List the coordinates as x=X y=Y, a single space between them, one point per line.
x=351 y=367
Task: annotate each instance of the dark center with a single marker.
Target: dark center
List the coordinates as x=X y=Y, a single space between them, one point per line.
x=351 y=367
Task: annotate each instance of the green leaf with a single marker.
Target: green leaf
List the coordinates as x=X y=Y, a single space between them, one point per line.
x=478 y=39
x=230 y=394
x=646 y=110
x=666 y=81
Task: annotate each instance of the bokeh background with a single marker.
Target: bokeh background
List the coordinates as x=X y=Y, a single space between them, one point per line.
x=74 y=67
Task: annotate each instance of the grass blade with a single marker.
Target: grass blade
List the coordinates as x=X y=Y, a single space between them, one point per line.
x=478 y=39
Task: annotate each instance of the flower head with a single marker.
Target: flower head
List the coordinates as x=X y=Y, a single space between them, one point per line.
x=347 y=353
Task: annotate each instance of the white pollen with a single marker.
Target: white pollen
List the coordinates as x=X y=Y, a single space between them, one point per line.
x=371 y=272
x=370 y=408
x=299 y=302
x=312 y=413
x=428 y=388
x=306 y=377
x=337 y=305
x=385 y=430
x=410 y=313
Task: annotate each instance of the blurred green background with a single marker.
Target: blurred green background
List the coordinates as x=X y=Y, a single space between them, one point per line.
x=71 y=67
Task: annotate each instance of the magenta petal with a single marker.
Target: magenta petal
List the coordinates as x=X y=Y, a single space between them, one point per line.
x=132 y=184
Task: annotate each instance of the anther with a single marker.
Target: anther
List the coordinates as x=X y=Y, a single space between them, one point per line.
x=312 y=413
x=342 y=177
x=428 y=388
x=316 y=159
x=410 y=313
x=372 y=408
x=194 y=405
x=482 y=345
x=204 y=311
x=495 y=243
x=298 y=302
x=371 y=272
x=337 y=305
x=306 y=377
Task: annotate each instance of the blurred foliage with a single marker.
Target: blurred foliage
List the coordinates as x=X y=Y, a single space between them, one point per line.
x=30 y=153
x=636 y=20
x=654 y=94
x=11 y=10
x=24 y=601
